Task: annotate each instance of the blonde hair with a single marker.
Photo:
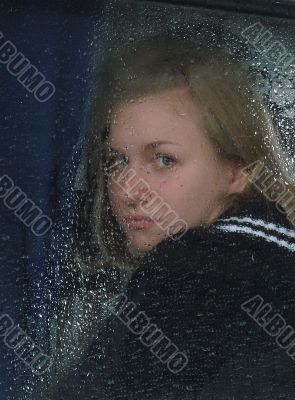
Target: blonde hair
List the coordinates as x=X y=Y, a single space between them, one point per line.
x=234 y=118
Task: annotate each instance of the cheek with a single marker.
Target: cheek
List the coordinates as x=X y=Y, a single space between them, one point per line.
x=185 y=191
x=113 y=193
x=171 y=190
x=205 y=191
x=202 y=187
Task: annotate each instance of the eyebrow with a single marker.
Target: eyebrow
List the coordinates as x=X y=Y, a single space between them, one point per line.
x=161 y=142
x=149 y=145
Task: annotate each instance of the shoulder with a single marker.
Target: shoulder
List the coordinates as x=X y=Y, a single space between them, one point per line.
x=256 y=226
x=241 y=239
x=259 y=231
x=259 y=222
x=243 y=248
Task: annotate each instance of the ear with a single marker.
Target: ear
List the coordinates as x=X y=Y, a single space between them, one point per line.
x=237 y=178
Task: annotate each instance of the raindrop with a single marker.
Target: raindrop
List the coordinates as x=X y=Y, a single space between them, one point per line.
x=5 y=237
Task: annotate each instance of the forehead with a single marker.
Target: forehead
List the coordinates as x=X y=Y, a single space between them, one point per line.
x=163 y=116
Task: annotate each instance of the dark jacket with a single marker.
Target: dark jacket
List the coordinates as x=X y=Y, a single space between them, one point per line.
x=209 y=316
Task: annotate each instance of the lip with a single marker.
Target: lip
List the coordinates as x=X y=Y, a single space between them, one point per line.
x=138 y=221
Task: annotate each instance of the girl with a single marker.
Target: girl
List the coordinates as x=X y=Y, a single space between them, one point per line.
x=188 y=190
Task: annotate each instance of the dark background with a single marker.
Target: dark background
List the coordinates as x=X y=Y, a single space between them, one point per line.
x=39 y=148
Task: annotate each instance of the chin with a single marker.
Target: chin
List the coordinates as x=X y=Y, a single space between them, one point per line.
x=140 y=246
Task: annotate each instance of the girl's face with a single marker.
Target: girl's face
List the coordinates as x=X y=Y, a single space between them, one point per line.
x=159 y=140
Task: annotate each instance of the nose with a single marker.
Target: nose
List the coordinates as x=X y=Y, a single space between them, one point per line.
x=134 y=185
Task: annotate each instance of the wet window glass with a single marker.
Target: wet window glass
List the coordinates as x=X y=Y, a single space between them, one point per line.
x=147 y=200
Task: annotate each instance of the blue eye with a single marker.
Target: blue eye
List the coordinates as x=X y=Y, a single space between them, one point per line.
x=167 y=161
